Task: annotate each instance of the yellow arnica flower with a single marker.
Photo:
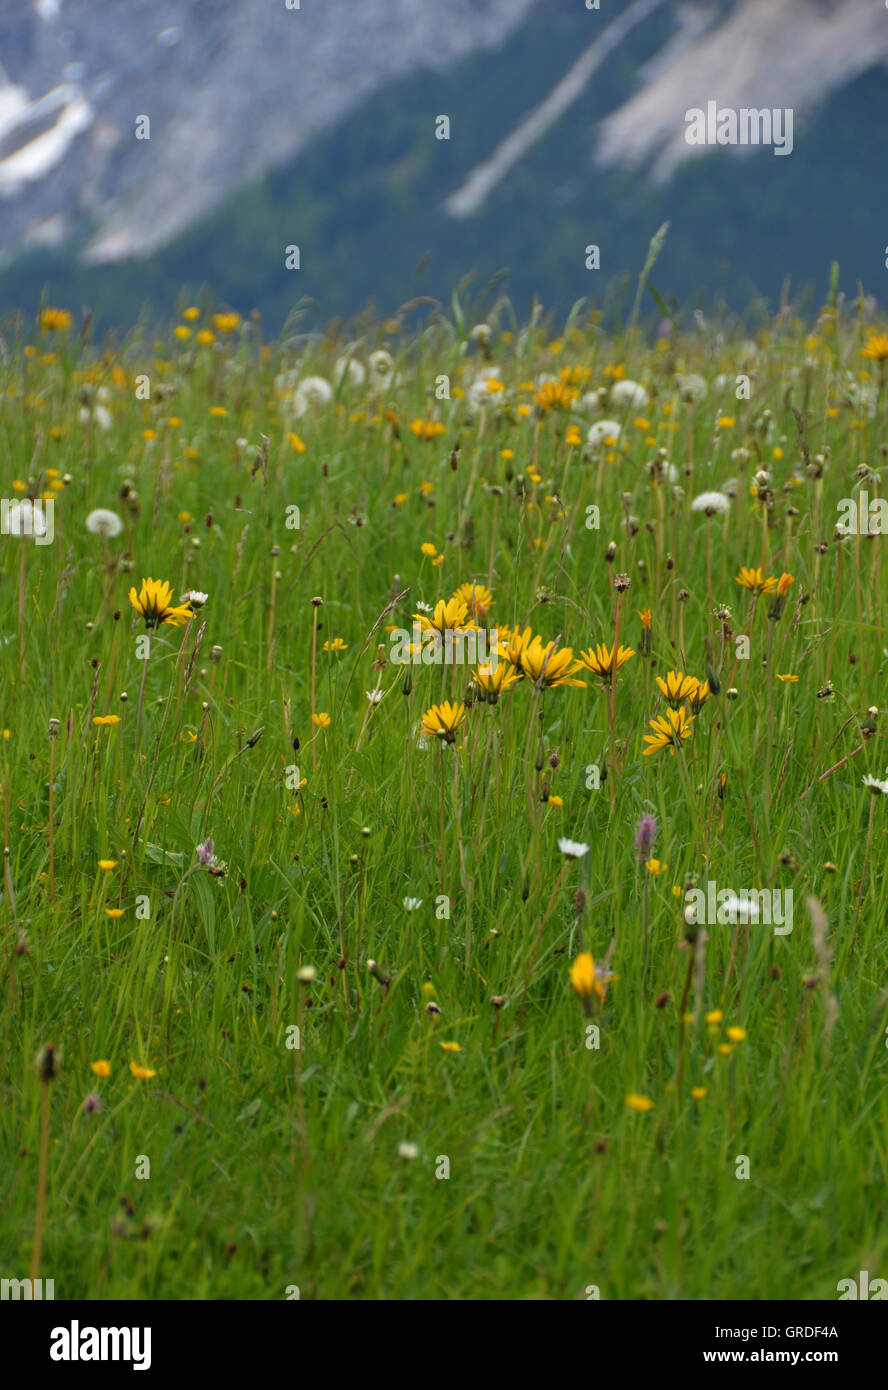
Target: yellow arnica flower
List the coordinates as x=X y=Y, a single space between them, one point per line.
x=876 y=347
x=141 y=1073
x=753 y=580
x=784 y=583
x=451 y=1047
x=516 y=640
x=55 y=320
x=106 y=719
x=677 y=687
x=107 y=864
x=442 y=721
x=548 y=666
x=715 y=1016
x=699 y=696
x=640 y=1103
x=494 y=682
x=427 y=429
x=555 y=395
x=736 y=1034
x=787 y=679
x=698 y=1092
x=477 y=598
x=154 y=602
x=588 y=979
x=226 y=323
x=101 y=1068
x=600 y=659
x=669 y=730
x=114 y=912
x=449 y=615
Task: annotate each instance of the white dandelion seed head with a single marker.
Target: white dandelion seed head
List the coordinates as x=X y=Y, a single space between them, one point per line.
x=311 y=391
x=740 y=909
x=602 y=431
x=349 y=371
x=103 y=522
x=692 y=387
x=381 y=366
x=711 y=503
x=26 y=518
x=629 y=394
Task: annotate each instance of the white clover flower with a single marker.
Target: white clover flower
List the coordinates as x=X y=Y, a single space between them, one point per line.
x=351 y=369
x=104 y=523
x=602 y=432
x=711 y=503
x=572 y=849
x=629 y=394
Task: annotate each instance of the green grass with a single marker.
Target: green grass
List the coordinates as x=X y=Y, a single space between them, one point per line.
x=272 y=1166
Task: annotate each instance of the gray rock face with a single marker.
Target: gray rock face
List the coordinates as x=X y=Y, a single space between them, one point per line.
x=231 y=88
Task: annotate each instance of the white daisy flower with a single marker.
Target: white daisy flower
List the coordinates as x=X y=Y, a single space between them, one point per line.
x=104 y=523
x=407 y=1150
x=374 y=696
x=877 y=787
x=195 y=598
x=412 y=904
x=572 y=849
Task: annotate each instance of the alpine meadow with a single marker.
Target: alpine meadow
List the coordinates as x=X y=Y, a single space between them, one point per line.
x=445 y=804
